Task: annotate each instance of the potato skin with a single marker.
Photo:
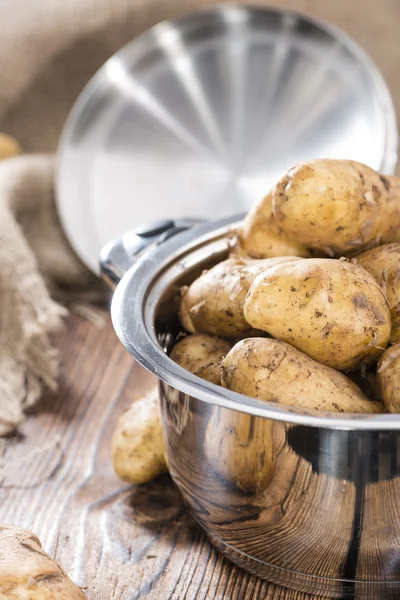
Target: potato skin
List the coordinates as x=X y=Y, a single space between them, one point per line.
x=27 y=572
x=274 y=371
x=393 y=185
x=389 y=378
x=202 y=355
x=213 y=303
x=332 y=310
x=9 y=146
x=261 y=237
x=137 y=445
x=383 y=263
x=335 y=206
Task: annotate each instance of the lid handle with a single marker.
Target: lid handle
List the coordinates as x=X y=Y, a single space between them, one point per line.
x=119 y=255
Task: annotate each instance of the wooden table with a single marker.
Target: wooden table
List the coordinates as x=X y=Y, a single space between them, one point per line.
x=116 y=541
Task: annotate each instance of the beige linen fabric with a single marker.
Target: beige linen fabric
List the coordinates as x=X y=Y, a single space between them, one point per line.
x=36 y=265
x=48 y=51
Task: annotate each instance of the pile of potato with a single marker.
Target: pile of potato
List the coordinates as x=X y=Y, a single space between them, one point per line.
x=309 y=300
x=305 y=312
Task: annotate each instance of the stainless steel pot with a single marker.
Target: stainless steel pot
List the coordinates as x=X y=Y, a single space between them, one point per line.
x=325 y=519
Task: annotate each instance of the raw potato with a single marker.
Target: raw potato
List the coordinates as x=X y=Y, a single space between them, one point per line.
x=275 y=371
x=335 y=206
x=383 y=263
x=332 y=310
x=240 y=448
x=213 y=303
x=28 y=573
x=261 y=237
x=389 y=378
x=393 y=183
x=201 y=355
x=8 y=146
x=137 y=445
x=138 y=448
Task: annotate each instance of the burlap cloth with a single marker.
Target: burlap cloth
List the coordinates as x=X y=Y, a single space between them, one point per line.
x=48 y=51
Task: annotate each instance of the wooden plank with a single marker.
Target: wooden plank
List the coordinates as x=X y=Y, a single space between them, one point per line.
x=115 y=540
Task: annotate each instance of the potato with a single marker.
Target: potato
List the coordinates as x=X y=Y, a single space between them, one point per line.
x=137 y=445
x=261 y=237
x=28 y=573
x=335 y=206
x=393 y=185
x=389 y=378
x=274 y=371
x=213 y=303
x=201 y=355
x=383 y=263
x=8 y=146
x=332 y=310
x=240 y=448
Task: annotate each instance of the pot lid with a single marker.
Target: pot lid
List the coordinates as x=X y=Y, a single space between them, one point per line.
x=199 y=116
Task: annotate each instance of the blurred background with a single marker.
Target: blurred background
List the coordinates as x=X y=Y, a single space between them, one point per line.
x=50 y=49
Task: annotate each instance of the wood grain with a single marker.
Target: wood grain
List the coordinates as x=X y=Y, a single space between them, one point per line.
x=114 y=540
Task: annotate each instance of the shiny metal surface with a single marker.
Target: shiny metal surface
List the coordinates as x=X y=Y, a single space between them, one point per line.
x=313 y=509
x=306 y=500
x=117 y=256
x=199 y=116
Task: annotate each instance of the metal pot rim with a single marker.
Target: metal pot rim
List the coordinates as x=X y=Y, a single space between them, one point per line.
x=133 y=313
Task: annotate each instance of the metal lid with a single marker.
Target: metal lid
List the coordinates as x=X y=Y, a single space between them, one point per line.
x=199 y=116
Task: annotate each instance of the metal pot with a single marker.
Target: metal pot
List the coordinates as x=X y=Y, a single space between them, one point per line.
x=324 y=515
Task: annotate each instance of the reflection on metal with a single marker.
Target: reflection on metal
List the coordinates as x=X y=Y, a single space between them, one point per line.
x=326 y=519
x=199 y=116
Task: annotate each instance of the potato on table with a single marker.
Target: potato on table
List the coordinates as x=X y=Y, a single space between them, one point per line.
x=137 y=445
x=9 y=146
x=28 y=573
x=335 y=206
x=383 y=263
x=389 y=378
x=332 y=310
x=137 y=448
x=260 y=236
x=274 y=371
x=213 y=303
x=202 y=355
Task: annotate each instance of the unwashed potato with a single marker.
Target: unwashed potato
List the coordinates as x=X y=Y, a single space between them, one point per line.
x=213 y=303
x=383 y=263
x=332 y=310
x=9 y=146
x=202 y=355
x=240 y=448
x=274 y=371
x=137 y=445
x=261 y=237
x=335 y=206
x=393 y=184
x=28 y=573
x=389 y=378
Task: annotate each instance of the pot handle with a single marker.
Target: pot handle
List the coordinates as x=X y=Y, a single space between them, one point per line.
x=119 y=255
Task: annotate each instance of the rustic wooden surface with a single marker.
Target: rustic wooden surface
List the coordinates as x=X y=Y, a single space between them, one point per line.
x=114 y=540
